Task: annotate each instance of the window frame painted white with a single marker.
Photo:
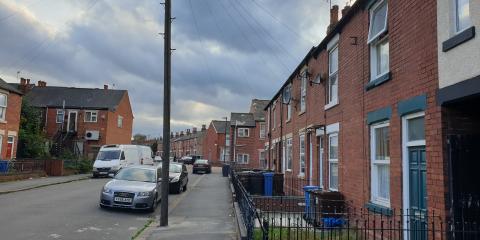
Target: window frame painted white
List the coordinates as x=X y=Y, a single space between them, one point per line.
x=457 y=28
x=119 y=121
x=274 y=116
x=302 y=157
x=321 y=152
x=332 y=161
x=374 y=163
x=244 y=155
x=332 y=99
x=92 y=112
x=303 y=91
x=289 y=154
x=376 y=42
x=243 y=132
x=13 y=145
x=406 y=163
x=4 y=107
x=62 y=113
x=263 y=130
x=262 y=160
x=289 y=111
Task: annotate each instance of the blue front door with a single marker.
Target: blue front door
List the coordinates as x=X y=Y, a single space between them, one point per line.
x=418 y=193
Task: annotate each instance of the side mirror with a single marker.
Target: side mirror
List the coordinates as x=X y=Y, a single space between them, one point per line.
x=159 y=180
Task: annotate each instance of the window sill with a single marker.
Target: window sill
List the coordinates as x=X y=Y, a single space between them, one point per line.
x=3 y=121
x=288 y=120
x=376 y=208
x=458 y=39
x=301 y=113
x=331 y=105
x=288 y=170
x=378 y=81
x=301 y=176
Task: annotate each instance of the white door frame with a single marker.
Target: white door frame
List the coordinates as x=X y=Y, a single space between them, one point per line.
x=406 y=162
x=76 y=119
x=13 y=145
x=310 y=156
x=321 y=151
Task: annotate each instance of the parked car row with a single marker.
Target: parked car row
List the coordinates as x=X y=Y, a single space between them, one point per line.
x=112 y=158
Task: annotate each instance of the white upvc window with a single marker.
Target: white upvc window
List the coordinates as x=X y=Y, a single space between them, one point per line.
x=3 y=106
x=302 y=155
x=274 y=113
x=243 y=132
x=333 y=161
x=380 y=164
x=462 y=15
x=60 y=116
x=289 y=111
x=289 y=154
x=378 y=40
x=242 y=158
x=120 y=122
x=91 y=116
x=262 y=159
x=262 y=131
x=303 y=91
x=333 y=76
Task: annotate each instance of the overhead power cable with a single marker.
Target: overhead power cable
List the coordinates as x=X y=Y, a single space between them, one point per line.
x=266 y=31
x=13 y=14
x=298 y=35
x=259 y=36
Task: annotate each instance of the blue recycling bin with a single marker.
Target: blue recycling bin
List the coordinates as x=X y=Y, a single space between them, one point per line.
x=3 y=166
x=225 y=169
x=268 y=183
x=309 y=214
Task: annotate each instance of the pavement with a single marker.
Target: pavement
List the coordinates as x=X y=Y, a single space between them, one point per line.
x=204 y=213
x=23 y=185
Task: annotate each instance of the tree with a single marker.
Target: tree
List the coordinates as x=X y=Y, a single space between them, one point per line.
x=139 y=139
x=31 y=138
x=154 y=146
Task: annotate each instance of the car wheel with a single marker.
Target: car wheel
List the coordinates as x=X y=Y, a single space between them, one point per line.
x=180 y=188
x=95 y=175
x=185 y=188
x=154 y=204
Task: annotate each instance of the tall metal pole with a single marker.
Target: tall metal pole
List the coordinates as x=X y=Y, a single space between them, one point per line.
x=225 y=148
x=166 y=114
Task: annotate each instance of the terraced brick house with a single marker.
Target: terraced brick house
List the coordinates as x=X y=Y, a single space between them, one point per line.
x=10 y=109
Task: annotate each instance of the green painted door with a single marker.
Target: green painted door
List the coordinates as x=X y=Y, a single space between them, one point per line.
x=418 y=193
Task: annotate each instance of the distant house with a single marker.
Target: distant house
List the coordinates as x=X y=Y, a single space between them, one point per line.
x=82 y=119
x=215 y=147
x=188 y=143
x=247 y=136
x=10 y=109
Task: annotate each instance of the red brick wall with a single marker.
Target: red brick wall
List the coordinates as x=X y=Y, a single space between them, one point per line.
x=11 y=124
x=248 y=145
x=413 y=65
x=123 y=135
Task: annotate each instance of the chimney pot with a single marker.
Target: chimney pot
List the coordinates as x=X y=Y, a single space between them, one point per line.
x=105 y=86
x=204 y=127
x=23 y=81
x=345 y=10
x=194 y=130
x=333 y=18
x=28 y=81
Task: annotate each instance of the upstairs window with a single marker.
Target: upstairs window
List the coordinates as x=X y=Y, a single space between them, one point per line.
x=60 y=115
x=262 y=130
x=91 y=116
x=274 y=117
x=243 y=132
x=462 y=15
x=378 y=40
x=303 y=91
x=333 y=76
x=120 y=122
x=3 y=106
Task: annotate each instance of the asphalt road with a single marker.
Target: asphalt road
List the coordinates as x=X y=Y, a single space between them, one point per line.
x=71 y=211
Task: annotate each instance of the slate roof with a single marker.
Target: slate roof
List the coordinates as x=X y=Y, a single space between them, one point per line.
x=191 y=136
x=242 y=120
x=81 y=98
x=258 y=109
x=219 y=126
x=6 y=86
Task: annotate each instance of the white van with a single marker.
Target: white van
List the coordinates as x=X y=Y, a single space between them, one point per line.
x=112 y=158
x=145 y=155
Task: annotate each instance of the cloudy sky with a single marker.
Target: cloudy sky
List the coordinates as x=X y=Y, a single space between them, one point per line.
x=227 y=51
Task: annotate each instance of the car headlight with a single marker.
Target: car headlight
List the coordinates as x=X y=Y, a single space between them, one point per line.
x=175 y=179
x=115 y=168
x=144 y=194
x=107 y=190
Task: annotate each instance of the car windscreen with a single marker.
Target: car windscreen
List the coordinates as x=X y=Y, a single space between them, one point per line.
x=136 y=174
x=108 y=155
x=175 y=168
x=201 y=162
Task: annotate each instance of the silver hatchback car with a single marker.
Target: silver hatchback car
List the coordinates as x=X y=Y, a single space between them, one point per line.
x=136 y=187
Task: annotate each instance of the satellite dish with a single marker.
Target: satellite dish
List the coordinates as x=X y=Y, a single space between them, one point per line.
x=287 y=94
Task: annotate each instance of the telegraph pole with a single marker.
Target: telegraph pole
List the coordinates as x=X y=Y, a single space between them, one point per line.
x=166 y=113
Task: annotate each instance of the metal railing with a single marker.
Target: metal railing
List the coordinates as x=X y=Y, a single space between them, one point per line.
x=23 y=166
x=327 y=216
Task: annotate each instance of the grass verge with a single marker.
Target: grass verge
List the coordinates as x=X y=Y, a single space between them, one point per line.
x=142 y=229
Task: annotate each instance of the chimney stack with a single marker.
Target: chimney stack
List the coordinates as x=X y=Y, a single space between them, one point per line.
x=204 y=127
x=176 y=134
x=188 y=131
x=333 y=18
x=345 y=10
x=194 y=130
x=23 y=81
x=40 y=83
x=181 y=133
x=105 y=87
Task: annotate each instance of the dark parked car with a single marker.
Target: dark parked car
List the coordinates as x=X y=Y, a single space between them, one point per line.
x=190 y=159
x=178 y=177
x=202 y=165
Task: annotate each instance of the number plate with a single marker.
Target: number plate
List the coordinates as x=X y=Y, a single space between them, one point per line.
x=121 y=199
x=103 y=172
